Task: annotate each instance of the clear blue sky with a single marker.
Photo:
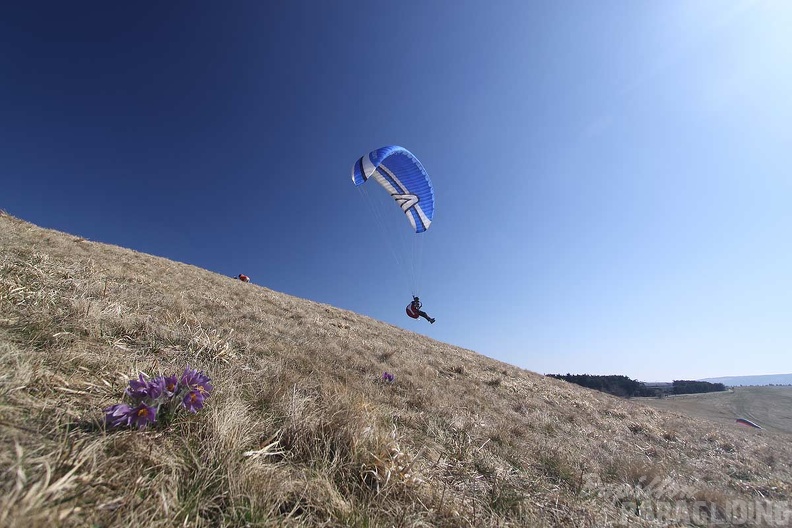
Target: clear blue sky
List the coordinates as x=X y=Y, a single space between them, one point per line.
x=613 y=178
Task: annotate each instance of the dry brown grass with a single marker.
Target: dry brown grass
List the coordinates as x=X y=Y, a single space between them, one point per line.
x=300 y=431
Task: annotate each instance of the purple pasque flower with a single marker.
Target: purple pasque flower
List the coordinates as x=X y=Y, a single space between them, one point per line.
x=171 y=385
x=189 y=376
x=142 y=415
x=193 y=401
x=117 y=415
x=147 y=397
x=139 y=388
x=387 y=377
x=196 y=380
x=156 y=388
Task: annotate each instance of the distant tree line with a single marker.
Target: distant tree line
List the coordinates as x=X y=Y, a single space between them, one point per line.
x=614 y=384
x=629 y=388
x=696 y=387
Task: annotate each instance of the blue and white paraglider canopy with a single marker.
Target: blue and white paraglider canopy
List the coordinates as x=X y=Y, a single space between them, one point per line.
x=404 y=178
x=406 y=183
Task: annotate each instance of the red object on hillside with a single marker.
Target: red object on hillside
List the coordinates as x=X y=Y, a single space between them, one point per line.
x=243 y=278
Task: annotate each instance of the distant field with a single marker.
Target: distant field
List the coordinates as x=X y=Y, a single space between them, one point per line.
x=769 y=407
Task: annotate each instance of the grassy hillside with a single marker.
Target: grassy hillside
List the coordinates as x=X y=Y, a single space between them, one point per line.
x=300 y=431
x=770 y=407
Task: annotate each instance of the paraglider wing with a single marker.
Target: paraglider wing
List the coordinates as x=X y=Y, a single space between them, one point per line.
x=404 y=178
x=747 y=423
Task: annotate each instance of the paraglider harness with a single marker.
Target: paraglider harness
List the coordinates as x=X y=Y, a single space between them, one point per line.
x=414 y=310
